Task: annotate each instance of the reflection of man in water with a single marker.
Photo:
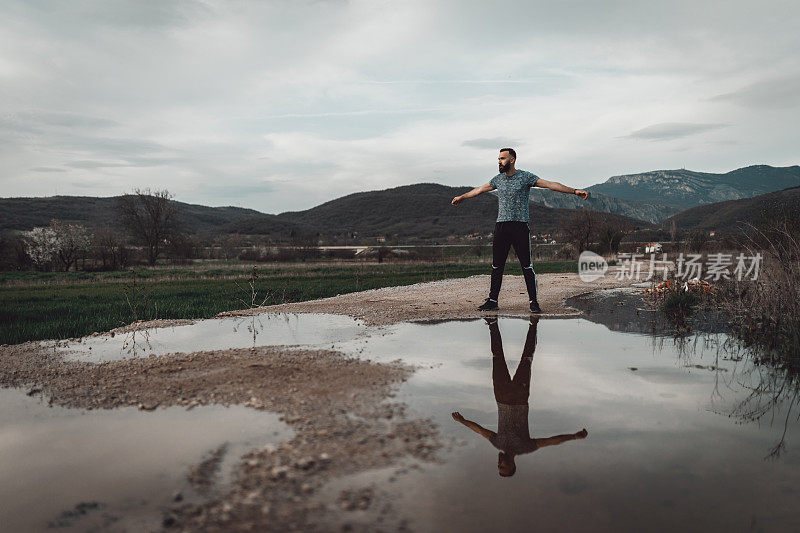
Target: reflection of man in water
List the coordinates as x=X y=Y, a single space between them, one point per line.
x=513 y=436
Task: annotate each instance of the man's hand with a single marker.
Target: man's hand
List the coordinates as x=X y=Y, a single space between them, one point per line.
x=581 y=434
x=457 y=417
x=486 y=187
x=582 y=194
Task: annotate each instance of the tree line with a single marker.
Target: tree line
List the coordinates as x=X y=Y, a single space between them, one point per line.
x=146 y=221
x=147 y=225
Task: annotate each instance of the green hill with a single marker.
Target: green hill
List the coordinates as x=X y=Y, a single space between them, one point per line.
x=732 y=215
x=420 y=211
x=27 y=213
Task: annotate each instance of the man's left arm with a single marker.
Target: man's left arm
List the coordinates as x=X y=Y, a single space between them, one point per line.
x=558 y=187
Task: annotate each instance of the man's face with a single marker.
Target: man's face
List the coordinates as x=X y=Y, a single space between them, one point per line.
x=504 y=161
x=505 y=465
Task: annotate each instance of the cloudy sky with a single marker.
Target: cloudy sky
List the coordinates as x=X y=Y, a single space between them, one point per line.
x=282 y=105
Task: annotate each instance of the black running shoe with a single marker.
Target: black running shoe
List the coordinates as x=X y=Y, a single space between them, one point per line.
x=535 y=307
x=488 y=305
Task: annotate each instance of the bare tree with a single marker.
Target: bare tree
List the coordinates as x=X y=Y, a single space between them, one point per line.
x=580 y=229
x=109 y=248
x=149 y=217
x=609 y=238
x=12 y=252
x=232 y=245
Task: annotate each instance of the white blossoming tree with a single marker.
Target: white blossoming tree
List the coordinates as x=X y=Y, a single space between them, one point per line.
x=57 y=243
x=41 y=245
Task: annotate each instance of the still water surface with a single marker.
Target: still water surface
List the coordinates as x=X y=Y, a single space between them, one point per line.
x=213 y=334
x=680 y=434
x=116 y=470
x=670 y=445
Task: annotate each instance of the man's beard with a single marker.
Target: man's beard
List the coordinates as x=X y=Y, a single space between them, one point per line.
x=503 y=168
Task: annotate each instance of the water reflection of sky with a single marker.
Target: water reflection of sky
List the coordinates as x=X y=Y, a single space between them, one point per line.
x=661 y=454
x=126 y=464
x=214 y=334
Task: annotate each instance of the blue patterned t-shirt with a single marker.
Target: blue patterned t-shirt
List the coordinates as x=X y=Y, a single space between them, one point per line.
x=513 y=195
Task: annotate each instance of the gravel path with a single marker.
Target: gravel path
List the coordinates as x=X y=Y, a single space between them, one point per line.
x=446 y=299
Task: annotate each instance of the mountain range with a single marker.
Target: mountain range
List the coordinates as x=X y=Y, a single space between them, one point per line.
x=420 y=211
x=423 y=211
x=91 y=211
x=686 y=188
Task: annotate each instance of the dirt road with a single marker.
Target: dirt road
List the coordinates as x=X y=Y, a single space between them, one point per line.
x=451 y=298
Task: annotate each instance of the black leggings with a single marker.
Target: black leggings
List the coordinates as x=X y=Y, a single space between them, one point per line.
x=506 y=390
x=506 y=235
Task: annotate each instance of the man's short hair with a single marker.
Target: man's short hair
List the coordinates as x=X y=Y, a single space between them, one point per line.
x=510 y=151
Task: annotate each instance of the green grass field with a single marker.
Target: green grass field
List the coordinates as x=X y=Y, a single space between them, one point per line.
x=59 y=305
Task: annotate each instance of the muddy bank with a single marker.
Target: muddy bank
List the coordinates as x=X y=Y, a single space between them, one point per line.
x=340 y=408
x=448 y=299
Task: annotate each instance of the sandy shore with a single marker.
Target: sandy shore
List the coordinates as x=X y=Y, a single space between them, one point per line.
x=340 y=407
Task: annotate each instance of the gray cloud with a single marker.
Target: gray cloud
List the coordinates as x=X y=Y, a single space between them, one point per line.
x=120 y=147
x=667 y=131
x=777 y=93
x=135 y=93
x=492 y=143
x=37 y=121
x=47 y=169
x=94 y=164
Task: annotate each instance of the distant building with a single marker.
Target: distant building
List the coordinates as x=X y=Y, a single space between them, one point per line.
x=381 y=239
x=652 y=247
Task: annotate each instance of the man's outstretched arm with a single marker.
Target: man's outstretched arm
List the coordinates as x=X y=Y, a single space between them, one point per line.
x=558 y=439
x=486 y=187
x=474 y=426
x=558 y=187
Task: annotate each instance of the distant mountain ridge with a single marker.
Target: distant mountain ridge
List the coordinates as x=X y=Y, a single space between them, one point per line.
x=649 y=211
x=92 y=211
x=420 y=211
x=731 y=215
x=687 y=188
x=423 y=210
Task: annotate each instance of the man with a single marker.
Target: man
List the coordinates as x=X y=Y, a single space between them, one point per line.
x=512 y=396
x=513 y=193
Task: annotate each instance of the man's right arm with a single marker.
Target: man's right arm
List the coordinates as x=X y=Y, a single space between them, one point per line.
x=486 y=187
x=474 y=426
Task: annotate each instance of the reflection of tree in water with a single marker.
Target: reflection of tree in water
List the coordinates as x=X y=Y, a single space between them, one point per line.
x=252 y=328
x=134 y=347
x=773 y=390
x=255 y=325
x=770 y=386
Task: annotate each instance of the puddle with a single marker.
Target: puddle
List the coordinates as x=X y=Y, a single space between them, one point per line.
x=624 y=309
x=215 y=334
x=78 y=471
x=681 y=434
